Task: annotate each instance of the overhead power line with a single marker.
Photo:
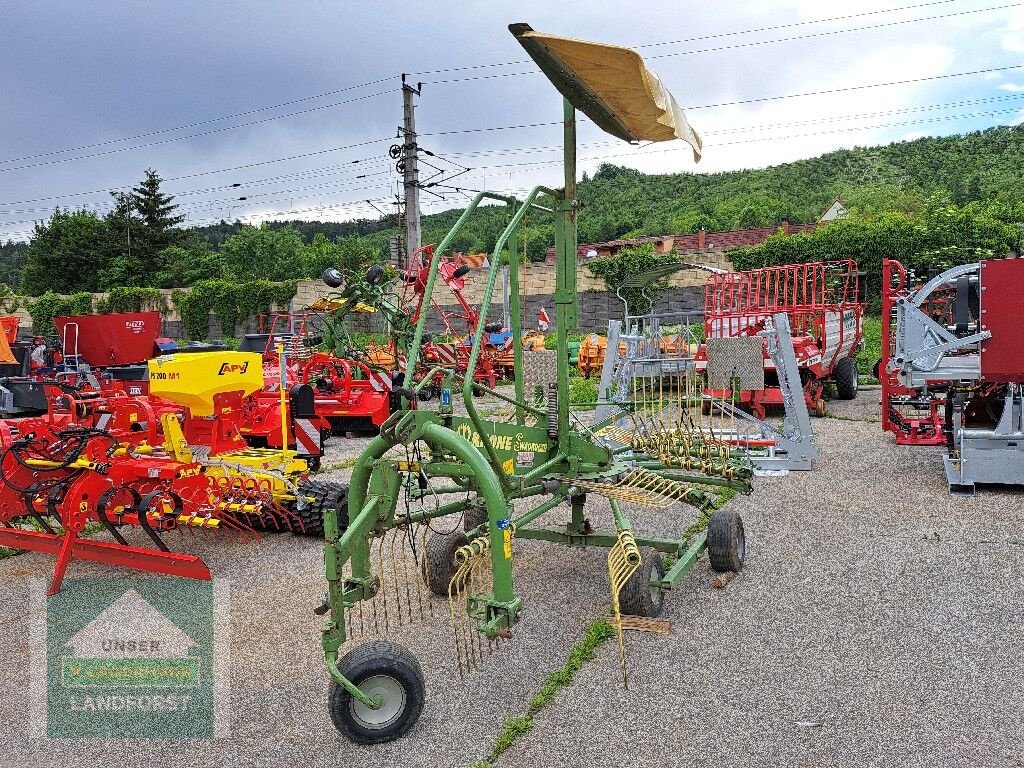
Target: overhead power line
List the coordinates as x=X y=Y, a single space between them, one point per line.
x=306 y=99
x=810 y=35
x=715 y=36
x=196 y=124
x=183 y=138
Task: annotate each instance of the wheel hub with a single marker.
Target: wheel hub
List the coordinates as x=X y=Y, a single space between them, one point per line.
x=392 y=697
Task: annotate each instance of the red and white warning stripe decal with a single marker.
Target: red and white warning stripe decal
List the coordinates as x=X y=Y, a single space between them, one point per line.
x=307 y=437
x=380 y=381
x=445 y=353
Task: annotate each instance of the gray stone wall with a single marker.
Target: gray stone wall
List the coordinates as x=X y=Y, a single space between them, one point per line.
x=596 y=308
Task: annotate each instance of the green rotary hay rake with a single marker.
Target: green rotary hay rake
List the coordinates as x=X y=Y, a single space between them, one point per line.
x=388 y=555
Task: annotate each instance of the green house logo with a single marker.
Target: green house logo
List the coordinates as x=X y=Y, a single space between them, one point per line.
x=130 y=644
x=134 y=658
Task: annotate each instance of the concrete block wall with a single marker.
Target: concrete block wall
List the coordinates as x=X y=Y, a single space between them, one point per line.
x=537 y=287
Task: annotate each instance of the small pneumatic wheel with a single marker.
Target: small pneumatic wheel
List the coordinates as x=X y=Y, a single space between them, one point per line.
x=727 y=546
x=380 y=669
x=439 y=565
x=639 y=596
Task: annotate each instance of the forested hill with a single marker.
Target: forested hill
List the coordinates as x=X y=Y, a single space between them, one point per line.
x=987 y=165
x=979 y=174
x=621 y=202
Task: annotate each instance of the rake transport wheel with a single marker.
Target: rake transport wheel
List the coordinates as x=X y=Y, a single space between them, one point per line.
x=727 y=546
x=846 y=378
x=439 y=563
x=383 y=669
x=639 y=597
x=473 y=517
x=326 y=496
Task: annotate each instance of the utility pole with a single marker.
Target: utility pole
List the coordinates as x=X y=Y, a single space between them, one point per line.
x=411 y=174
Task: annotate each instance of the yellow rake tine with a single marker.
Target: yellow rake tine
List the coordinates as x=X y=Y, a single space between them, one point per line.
x=452 y=593
x=383 y=590
x=394 y=574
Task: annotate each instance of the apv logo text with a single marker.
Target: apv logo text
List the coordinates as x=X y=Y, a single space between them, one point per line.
x=232 y=368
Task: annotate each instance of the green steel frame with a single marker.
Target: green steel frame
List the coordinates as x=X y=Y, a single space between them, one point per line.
x=377 y=481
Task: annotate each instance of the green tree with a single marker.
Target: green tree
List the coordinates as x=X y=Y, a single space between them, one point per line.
x=270 y=254
x=66 y=254
x=352 y=255
x=156 y=211
x=188 y=263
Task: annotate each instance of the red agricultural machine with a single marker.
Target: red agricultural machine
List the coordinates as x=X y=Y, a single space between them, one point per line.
x=952 y=367
x=915 y=416
x=175 y=460
x=496 y=355
x=825 y=313
x=93 y=352
x=347 y=395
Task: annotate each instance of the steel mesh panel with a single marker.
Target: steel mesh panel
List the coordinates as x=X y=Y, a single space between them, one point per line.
x=740 y=357
x=540 y=367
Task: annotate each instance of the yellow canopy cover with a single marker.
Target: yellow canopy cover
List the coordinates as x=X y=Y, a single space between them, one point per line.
x=611 y=85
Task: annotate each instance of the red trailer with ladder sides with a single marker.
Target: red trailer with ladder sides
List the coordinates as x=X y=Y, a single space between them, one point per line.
x=826 y=314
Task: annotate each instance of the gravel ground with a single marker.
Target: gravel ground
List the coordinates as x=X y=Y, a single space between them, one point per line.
x=878 y=622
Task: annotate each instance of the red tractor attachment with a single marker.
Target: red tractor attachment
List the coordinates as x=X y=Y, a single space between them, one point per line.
x=825 y=313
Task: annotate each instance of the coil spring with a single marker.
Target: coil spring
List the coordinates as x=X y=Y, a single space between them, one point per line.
x=553 y=411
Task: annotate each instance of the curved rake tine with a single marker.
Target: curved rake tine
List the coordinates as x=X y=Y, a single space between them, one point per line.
x=230 y=524
x=143 y=514
x=291 y=519
x=101 y=513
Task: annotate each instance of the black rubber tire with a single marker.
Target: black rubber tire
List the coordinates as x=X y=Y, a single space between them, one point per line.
x=473 y=517
x=727 y=544
x=846 y=376
x=439 y=566
x=638 y=597
x=328 y=496
x=381 y=660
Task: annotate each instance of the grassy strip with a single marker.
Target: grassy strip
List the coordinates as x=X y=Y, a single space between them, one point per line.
x=841 y=417
x=346 y=464
x=598 y=632
x=869 y=354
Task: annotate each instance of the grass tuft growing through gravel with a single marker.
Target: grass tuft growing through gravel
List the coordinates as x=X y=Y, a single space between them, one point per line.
x=597 y=633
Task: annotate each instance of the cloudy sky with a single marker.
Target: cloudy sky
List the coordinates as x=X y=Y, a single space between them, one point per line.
x=297 y=103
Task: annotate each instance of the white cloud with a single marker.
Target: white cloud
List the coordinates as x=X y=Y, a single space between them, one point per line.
x=1011 y=87
x=1013 y=39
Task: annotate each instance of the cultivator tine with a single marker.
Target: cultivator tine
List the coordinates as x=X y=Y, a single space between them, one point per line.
x=143 y=515
x=231 y=524
x=623 y=561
